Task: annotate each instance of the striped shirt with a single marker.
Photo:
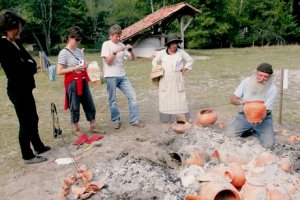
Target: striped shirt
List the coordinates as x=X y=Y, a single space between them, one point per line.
x=67 y=59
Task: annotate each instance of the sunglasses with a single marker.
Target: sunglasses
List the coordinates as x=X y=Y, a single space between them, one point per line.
x=76 y=38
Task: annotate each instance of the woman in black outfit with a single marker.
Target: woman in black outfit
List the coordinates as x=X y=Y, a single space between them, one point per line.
x=20 y=68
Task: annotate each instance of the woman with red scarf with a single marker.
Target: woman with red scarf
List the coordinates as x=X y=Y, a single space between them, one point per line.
x=72 y=65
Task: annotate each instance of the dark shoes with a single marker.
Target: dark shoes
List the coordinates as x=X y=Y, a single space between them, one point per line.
x=43 y=150
x=36 y=159
x=117 y=125
x=138 y=125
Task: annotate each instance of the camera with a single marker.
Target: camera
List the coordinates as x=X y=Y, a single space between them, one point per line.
x=57 y=132
x=81 y=63
x=128 y=48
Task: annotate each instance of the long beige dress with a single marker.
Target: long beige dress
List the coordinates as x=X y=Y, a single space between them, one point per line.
x=172 y=97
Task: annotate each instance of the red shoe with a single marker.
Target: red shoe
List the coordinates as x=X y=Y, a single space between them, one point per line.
x=82 y=139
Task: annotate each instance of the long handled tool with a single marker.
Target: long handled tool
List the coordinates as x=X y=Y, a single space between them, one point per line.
x=57 y=132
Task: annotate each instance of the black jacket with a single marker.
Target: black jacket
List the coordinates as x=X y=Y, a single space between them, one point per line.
x=15 y=62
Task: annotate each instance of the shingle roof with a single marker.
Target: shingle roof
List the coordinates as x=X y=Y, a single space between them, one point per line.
x=155 y=18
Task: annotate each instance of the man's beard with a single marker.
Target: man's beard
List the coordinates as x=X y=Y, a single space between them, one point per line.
x=258 y=89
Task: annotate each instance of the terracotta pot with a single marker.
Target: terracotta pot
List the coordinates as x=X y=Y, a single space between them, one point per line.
x=235 y=174
x=178 y=128
x=265 y=158
x=191 y=155
x=180 y=119
x=229 y=157
x=217 y=190
x=286 y=164
x=276 y=194
x=255 y=111
x=253 y=193
x=194 y=197
x=206 y=117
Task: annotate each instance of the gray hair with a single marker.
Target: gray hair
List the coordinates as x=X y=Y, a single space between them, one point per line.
x=115 y=30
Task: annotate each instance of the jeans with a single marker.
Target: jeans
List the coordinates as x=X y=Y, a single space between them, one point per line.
x=85 y=100
x=123 y=83
x=264 y=131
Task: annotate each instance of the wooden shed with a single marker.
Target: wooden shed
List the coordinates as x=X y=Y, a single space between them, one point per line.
x=148 y=34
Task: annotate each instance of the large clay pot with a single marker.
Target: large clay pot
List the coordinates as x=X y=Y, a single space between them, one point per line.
x=235 y=174
x=219 y=190
x=255 y=111
x=206 y=117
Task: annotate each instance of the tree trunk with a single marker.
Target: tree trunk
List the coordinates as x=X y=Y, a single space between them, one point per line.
x=37 y=41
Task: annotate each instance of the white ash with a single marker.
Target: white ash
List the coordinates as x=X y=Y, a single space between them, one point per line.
x=134 y=176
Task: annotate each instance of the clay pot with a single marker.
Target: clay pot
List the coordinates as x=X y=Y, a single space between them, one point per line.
x=254 y=189
x=217 y=190
x=286 y=164
x=206 y=117
x=253 y=193
x=178 y=128
x=229 y=157
x=194 y=197
x=180 y=119
x=235 y=174
x=265 y=158
x=276 y=194
x=255 y=111
x=191 y=155
x=293 y=139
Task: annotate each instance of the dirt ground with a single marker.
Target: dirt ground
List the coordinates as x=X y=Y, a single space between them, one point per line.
x=138 y=163
x=135 y=163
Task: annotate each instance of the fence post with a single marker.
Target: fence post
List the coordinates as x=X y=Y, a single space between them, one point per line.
x=281 y=96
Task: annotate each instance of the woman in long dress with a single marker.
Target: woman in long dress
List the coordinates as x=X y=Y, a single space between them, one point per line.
x=172 y=97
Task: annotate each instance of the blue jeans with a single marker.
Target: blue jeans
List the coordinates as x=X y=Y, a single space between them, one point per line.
x=264 y=131
x=123 y=83
x=86 y=100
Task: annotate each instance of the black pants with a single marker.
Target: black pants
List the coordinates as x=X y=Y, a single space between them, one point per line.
x=25 y=108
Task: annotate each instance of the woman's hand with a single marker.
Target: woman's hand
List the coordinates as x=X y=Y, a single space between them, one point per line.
x=184 y=70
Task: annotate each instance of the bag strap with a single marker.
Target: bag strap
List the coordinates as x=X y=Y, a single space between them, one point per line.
x=72 y=53
x=56 y=127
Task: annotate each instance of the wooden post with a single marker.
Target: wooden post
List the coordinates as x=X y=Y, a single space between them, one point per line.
x=281 y=97
x=184 y=26
x=42 y=61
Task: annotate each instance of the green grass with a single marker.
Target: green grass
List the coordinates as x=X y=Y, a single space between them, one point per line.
x=210 y=84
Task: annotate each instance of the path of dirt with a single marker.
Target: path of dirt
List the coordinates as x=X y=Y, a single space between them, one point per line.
x=135 y=163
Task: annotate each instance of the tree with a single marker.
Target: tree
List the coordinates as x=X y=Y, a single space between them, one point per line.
x=269 y=22
x=214 y=27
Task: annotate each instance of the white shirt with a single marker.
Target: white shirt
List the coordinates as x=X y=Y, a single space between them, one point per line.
x=269 y=98
x=174 y=62
x=116 y=68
